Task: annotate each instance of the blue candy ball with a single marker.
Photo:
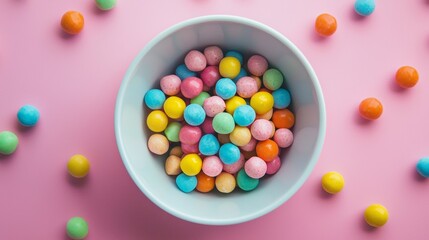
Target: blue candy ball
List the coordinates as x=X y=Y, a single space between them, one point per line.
x=186 y=183
x=225 y=88
x=209 y=145
x=244 y=115
x=241 y=74
x=364 y=7
x=194 y=114
x=229 y=153
x=423 y=167
x=183 y=72
x=154 y=99
x=235 y=54
x=281 y=98
x=28 y=115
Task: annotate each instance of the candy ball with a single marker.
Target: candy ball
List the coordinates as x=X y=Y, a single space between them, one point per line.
x=154 y=99
x=246 y=87
x=255 y=167
x=267 y=150
x=174 y=107
x=212 y=166
x=241 y=74
x=225 y=88
x=214 y=105
x=28 y=115
x=191 y=164
x=233 y=103
x=258 y=81
x=194 y=114
x=186 y=183
x=423 y=167
x=72 y=22
x=172 y=165
x=172 y=131
x=208 y=145
x=261 y=129
x=207 y=126
x=223 y=123
x=229 y=67
x=229 y=153
x=283 y=118
x=77 y=228
x=246 y=183
x=235 y=54
x=210 y=75
x=190 y=134
x=183 y=72
x=364 y=7
x=195 y=61
x=191 y=87
x=250 y=146
x=283 y=137
x=189 y=148
x=274 y=166
x=158 y=144
x=204 y=183
x=262 y=102
x=235 y=167
x=170 y=84
x=332 y=182
x=325 y=25
x=240 y=136
x=105 y=4
x=8 y=142
x=78 y=166
x=257 y=65
x=370 y=108
x=213 y=55
x=244 y=115
x=376 y=215
x=272 y=79
x=176 y=151
x=200 y=98
x=407 y=77
x=225 y=182
x=157 y=121
x=281 y=98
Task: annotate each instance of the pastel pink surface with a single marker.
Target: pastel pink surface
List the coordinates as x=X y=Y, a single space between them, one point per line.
x=74 y=81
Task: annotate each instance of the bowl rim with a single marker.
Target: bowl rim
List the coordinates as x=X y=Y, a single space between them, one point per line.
x=244 y=21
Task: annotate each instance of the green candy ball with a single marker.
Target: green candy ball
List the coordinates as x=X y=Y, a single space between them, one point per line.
x=8 y=142
x=245 y=182
x=200 y=98
x=105 y=4
x=272 y=79
x=172 y=131
x=223 y=123
x=77 y=228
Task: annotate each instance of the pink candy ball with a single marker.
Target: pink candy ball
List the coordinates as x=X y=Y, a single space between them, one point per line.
x=250 y=146
x=213 y=55
x=257 y=65
x=212 y=166
x=255 y=167
x=191 y=87
x=246 y=87
x=195 y=61
x=190 y=134
x=261 y=129
x=283 y=137
x=170 y=84
x=207 y=126
x=189 y=148
x=214 y=105
x=210 y=75
x=274 y=166
x=235 y=167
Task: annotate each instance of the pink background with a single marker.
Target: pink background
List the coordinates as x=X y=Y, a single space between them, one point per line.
x=74 y=81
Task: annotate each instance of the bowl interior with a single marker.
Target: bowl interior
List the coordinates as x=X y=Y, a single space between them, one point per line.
x=159 y=58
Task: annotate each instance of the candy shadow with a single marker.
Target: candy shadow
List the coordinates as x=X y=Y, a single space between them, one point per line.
x=416 y=175
x=98 y=11
x=317 y=37
x=77 y=182
x=365 y=227
x=322 y=194
x=395 y=87
x=360 y=120
x=355 y=16
x=66 y=36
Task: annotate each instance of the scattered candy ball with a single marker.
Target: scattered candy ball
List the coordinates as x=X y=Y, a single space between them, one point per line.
x=235 y=54
x=283 y=137
x=282 y=98
x=423 y=167
x=267 y=150
x=364 y=7
x=332 y=182
x=174 y=107
x=183 y=72
x=255 y=167
x=233 y=103
x=235 y=167
x=212 y=166
x=200 y=98
x=77 y=228
x=244 y=115
x=257 y=65
x=172 y=131
x=191 y=164
x=246 y=183
x=229 y=153
x=261 y=129
x=186 y=183
x=8 y=142
x=78 y=166
x=326 y=24
x=172 y=165
x=105 y=4
x=204 y=183
x=194 y=114
x=229 y=67
x=176 y=151
x=283 y=118
x=158 y=144
x=376 y=215
x=208 y=145
x=274 y=166
x=246 y=87
x=195 y=61
x=225 y=88
x=272 y=79
x=157 y=121
x=170 y=85
x=262 y=102
x=191 y=87
x=28 y=115
x=240 y=136
x=225 y=182
x=213 y=55
x=223 y=123
x=407 y=77
x=370 y=108
x=72 y=22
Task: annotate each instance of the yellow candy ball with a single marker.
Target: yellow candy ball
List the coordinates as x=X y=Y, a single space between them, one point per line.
x=174 y=107
x=234 y=103
x=78 y=166
x=262 y=102
x=376 y=215
x=191 y=164
x=332 y=182
x=229 y=67
x=157 y=121
x=240 y=136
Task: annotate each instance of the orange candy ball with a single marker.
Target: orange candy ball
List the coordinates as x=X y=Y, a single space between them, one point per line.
x=205 y=183
x=268 y=150
x=407 y=77
x=370 y=108
x=326 y=24
x=72 y=22
x=283 y=118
